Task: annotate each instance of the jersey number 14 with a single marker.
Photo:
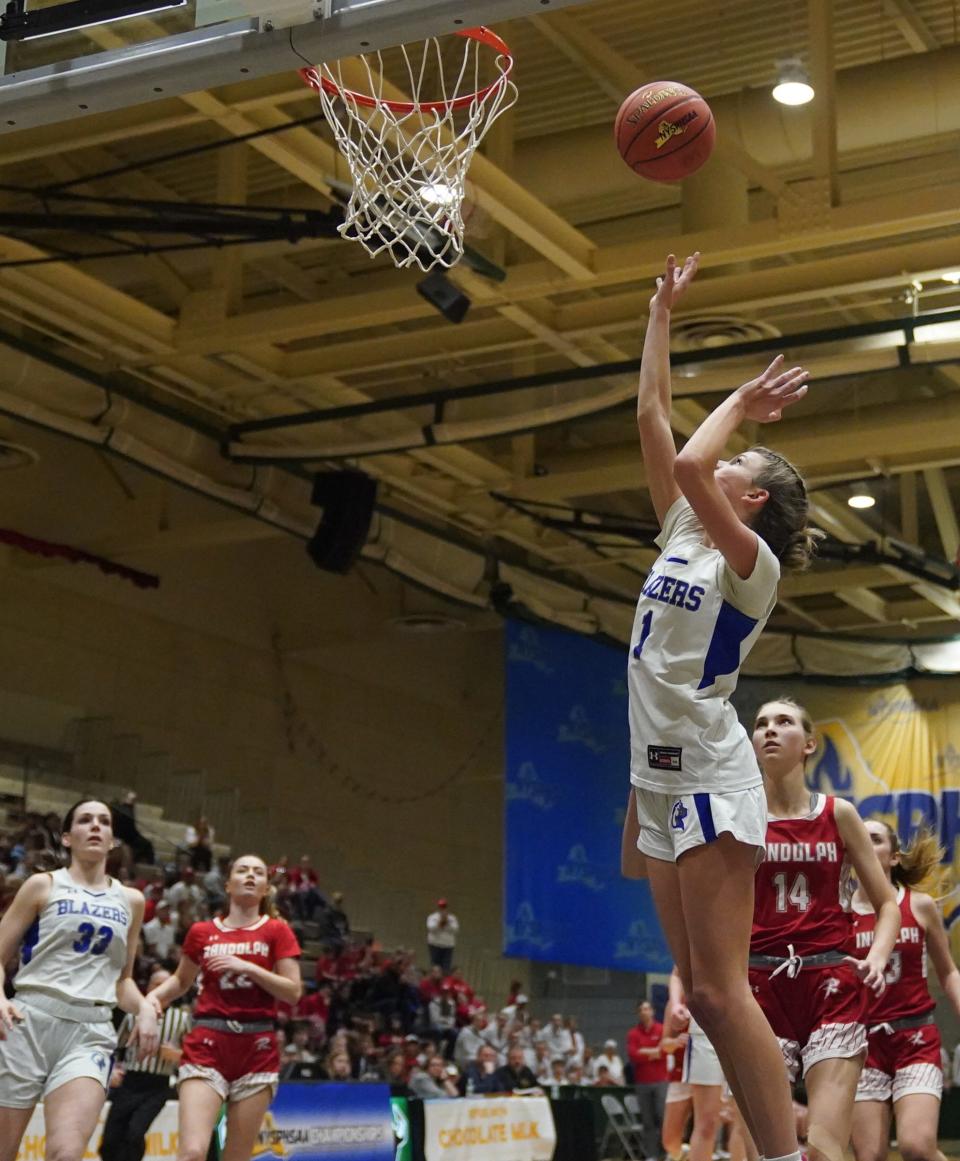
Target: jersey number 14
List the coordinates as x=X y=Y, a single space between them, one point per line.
x=797 y=896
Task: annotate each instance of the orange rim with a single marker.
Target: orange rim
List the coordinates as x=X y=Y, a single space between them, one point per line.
x=315 y=80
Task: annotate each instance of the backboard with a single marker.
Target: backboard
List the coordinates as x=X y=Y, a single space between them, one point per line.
x=170 y=51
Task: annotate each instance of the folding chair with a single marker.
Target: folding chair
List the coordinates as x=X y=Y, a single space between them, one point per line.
x=621 y=1127
x=634 y=1115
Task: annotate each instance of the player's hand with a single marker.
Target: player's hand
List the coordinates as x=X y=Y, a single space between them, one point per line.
x=226 y=963
x=870 y=973
x=146 y=1033
x=10 y=1016
x=154 y=1001
x=672 y=284
x=677 y=1014
x=765 y=397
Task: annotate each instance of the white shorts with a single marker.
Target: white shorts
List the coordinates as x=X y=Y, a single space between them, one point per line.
x=47 y=1050
x=700 y=1062
x=678 y=1091
x=875 y=1085
x=672 y=824
x=230 y=1090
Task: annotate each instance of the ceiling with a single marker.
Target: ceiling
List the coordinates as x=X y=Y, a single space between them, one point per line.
x=821 y=219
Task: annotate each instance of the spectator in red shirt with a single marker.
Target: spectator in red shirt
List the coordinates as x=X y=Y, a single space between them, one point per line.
x=306 y=889
x=649 y=1075
x=431 y=985
x=459 y=986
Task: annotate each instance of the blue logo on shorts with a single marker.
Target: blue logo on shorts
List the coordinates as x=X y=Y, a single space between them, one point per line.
x=678 y=815
x=99 y=1060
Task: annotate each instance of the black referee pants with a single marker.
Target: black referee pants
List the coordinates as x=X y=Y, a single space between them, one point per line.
x=133 y=1107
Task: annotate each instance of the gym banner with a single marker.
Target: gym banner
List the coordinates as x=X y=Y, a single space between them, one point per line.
x=489 y=1129
x=328 y=1122
x=161 y=1138
x=566 y=786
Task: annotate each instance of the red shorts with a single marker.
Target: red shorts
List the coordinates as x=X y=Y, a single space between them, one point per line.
x=900 y=1063
x=817 y=1015
x=236 y=1064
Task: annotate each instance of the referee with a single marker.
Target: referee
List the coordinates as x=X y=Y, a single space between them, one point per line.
x=145 y=1084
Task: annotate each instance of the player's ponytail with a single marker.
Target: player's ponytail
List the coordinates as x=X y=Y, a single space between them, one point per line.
x=783 y=520
x=268 y=904
x=919 y=859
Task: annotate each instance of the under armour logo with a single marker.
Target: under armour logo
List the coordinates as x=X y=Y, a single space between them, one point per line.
x=831 y=986
x=678 y=815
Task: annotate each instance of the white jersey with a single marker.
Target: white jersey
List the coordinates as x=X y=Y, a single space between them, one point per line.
x=76 y=948
x=696 y=622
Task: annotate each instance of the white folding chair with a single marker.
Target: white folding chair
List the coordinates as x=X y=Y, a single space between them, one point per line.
x=634 y=1115
x=620 y=1126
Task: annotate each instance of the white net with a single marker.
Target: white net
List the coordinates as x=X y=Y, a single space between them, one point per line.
x=409 y=152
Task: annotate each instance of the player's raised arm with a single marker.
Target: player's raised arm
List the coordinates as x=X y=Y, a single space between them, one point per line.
x=726 y=514
x=654 y=395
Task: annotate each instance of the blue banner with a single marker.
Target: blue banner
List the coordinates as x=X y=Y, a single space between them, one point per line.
x=567 y=780
x=328 y=1122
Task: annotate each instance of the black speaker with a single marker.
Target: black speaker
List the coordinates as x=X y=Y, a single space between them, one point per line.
x=446 y=297
x=347 y=499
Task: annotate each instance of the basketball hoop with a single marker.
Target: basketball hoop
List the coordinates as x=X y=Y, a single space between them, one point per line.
x=409 y=159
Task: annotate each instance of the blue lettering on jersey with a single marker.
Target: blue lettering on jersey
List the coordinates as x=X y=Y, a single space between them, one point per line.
x=673 y=591
x=93 y=910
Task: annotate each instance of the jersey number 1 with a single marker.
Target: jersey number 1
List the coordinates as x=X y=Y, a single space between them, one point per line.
x=644 y=632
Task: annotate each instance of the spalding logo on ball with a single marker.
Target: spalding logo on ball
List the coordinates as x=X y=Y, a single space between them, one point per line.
x=665 y=131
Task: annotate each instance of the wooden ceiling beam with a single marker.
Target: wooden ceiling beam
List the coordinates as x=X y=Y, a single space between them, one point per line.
x=943 y=512
x=915 y=429
x=824 y=105
x=911 y=25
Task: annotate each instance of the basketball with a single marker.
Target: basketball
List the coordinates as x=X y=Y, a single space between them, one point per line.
x=665 y=131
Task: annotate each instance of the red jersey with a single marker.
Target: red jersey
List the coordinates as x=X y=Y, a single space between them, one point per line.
x=906 y=993
x=800 y=886
x=646 y=1070
x=233 y=995
x=675 y=1074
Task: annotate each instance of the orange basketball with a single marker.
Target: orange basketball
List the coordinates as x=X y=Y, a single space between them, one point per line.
x=665 y=131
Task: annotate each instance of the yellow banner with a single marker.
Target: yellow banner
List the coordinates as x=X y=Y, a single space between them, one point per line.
x=161 y=1137
x=489 y=1129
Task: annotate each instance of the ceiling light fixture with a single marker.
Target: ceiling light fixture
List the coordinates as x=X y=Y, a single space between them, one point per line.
x=437 y=193
x=793 y=83
x=861 y=498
